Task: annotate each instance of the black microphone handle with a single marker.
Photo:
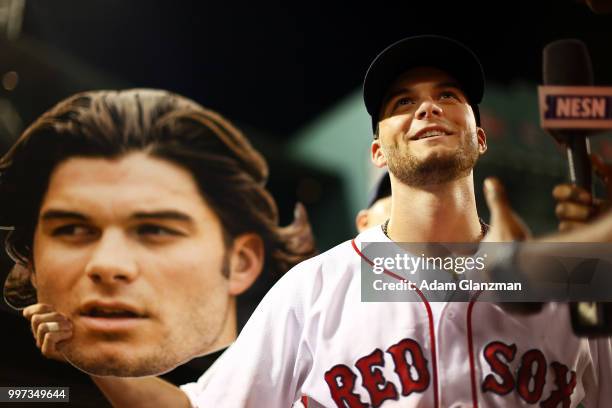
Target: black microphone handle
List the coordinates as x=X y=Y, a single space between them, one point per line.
x=579 y=162
x=589 y=319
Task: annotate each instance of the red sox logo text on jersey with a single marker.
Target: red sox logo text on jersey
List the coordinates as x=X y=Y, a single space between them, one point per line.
x=529 y=380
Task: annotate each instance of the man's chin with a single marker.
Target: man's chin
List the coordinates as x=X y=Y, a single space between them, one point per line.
x=118 y=362
x=440 y=151
x=439 y=167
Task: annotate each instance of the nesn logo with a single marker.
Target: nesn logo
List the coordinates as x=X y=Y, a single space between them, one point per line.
x=578 y=107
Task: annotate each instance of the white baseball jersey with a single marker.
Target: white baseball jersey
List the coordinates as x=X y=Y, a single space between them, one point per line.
x=312 y=342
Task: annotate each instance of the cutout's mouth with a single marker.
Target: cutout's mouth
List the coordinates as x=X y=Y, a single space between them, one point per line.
x=111 y=311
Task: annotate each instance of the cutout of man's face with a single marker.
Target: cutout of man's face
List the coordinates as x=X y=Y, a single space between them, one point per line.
x=129 y=250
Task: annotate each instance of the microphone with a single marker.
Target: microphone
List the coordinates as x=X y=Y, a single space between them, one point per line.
x=567 y=63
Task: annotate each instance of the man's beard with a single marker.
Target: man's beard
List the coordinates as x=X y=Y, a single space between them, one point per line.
x=435 y=169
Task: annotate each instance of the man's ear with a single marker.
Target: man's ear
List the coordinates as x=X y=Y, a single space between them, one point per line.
x=482 y=140
x=361 y=220
x=245 y=263
x=377 y=154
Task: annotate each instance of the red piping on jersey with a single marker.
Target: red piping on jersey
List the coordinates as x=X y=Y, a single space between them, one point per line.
x=432 y=334
x=471 y=351
x=305 y=401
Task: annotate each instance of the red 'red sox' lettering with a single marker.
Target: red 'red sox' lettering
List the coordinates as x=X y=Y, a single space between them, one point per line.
x=411 y=368
x=530 y=359
x=531 y=376
x=341 y=379
x=402 y=368
x=491 y=354
x=564 y=388
x=373 y=380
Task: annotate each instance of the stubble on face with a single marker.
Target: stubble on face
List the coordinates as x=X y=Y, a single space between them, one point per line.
x=437 y=168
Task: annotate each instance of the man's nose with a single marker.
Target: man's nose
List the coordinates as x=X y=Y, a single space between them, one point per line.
x=112 y=261
x=428 y=109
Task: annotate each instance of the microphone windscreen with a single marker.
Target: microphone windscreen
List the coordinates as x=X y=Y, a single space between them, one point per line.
x=567 y=63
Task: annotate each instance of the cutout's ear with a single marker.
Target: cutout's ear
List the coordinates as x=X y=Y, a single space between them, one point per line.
x=245 y=263
x=377 y=154
x=482 y=140
x=33 y=279
x=361 y=220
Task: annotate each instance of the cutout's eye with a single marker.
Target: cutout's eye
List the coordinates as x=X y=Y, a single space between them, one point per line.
x=156 y=230
x=73 y=230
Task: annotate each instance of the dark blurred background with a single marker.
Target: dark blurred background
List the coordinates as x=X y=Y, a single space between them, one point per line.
x=289 y=75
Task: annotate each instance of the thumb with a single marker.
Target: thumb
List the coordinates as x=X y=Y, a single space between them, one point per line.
x=496 y=197
x=506 y=225
x=300 y=215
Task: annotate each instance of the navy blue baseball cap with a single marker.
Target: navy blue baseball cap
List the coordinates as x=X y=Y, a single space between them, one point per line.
x=435 y=51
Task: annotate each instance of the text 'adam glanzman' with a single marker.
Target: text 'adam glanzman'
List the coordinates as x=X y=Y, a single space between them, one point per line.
x=467 y=285
x=411 y=264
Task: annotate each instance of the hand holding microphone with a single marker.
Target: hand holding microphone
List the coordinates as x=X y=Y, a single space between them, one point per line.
x=576 y=206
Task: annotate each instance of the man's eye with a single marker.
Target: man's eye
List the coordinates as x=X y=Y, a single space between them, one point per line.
x=74 y=230
x=448 y=95
x=156 y=230
x=404 y=101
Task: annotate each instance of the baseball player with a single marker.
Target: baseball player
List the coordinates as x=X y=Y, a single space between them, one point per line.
x=312 y=342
